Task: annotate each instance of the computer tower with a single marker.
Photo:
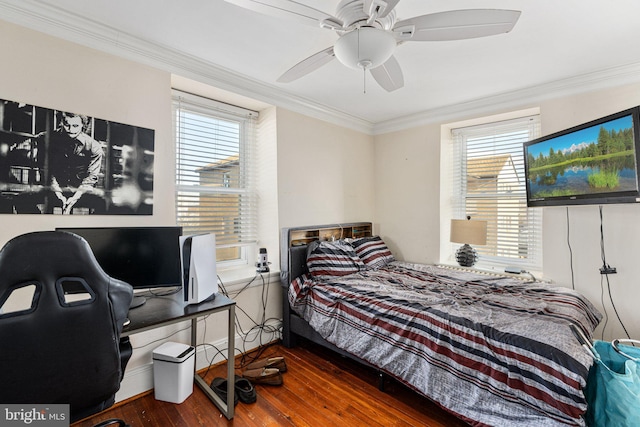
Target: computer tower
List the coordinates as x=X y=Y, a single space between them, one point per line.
x=198 y=262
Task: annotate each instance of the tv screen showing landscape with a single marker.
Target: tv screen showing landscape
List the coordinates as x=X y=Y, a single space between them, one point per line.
x=592 y=163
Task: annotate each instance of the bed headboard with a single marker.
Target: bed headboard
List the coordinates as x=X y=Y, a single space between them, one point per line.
x=294 y=241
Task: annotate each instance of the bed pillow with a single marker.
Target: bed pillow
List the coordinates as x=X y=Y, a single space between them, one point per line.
x=326 y=260
x=373 y=252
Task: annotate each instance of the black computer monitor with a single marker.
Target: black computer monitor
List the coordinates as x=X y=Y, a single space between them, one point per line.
x=144 y=257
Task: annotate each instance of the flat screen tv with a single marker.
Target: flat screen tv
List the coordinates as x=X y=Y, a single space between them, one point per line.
x=144 y=257
x=593 y=163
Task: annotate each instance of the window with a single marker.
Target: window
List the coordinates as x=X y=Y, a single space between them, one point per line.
x=215 y=192
x=489 y=184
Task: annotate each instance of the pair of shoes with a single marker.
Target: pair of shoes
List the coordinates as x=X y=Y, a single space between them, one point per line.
x=245 y=391
x=219 y=387
x=276 y=362
x=269 y=376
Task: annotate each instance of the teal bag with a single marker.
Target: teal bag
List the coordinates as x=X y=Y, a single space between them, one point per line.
x=613 y=385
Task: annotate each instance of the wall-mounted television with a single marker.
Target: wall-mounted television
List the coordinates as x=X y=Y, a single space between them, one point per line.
x=144 y=257
x=593 y=163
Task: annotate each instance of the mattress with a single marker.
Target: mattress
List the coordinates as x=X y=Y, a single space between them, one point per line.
x=492 y=350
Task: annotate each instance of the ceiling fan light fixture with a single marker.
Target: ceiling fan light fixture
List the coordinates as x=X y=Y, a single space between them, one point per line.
x=365 y=47
x=368 y=33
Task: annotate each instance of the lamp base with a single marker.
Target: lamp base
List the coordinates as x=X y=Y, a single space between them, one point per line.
x=466 y=255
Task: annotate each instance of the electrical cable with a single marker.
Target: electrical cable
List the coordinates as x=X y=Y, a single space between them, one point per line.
x=602 y=252
x=163 y=338
x=573 y=284
x=262 y=326
x=614 y=307
x=206 y=344
x=533 y=278
x=605 y=265
x=604 y=308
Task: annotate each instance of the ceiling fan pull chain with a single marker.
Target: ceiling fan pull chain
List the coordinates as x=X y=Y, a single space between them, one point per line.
x=363 y=66
x=364 y=80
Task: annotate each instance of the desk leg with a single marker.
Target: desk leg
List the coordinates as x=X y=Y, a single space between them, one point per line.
x=227 y=408
x=231 y=361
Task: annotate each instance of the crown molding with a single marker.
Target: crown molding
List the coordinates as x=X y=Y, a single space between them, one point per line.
x=68 y=26
x=55 y=22
x=588 y=82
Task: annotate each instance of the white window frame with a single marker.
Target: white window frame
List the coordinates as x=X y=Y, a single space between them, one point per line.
x=246 y=227
x=454 y=203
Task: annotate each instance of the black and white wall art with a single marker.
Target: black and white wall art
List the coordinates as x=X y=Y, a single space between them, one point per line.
x=59 y=162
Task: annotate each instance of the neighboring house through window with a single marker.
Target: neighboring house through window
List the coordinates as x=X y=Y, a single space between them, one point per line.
x=489 y=184
x=215 y=192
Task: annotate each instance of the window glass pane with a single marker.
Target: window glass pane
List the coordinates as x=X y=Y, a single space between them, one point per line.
x=491 y=186
x=209 y=149
x=214 y=191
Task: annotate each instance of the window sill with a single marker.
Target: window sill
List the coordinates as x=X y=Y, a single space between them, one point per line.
x=234 y=279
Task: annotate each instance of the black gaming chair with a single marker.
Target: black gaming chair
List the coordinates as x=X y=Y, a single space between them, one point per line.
x=60 y=323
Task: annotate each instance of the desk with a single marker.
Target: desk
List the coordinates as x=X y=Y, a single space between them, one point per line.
x=163 y=311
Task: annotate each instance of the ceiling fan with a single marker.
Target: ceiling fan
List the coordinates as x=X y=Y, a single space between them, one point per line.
x=369 y=33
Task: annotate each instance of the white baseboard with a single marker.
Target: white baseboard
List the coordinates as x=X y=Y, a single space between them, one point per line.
x=140 y=379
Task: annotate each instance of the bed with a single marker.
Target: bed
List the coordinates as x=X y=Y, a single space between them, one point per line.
x=493 y=350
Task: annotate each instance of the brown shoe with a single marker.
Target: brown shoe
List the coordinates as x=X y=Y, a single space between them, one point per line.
x=269 y=362
x=270 y=376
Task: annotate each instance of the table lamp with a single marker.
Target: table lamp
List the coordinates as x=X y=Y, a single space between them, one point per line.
x=470 y=233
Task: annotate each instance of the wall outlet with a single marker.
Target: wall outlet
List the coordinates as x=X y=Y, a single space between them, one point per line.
x=607 y=270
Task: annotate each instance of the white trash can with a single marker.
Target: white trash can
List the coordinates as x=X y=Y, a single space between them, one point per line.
x=173 y=370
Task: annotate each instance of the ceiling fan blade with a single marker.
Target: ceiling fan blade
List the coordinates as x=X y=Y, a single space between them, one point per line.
x=290 y=9
x=389 y=75
x=380 y=8
x=308 y=65
x=456 y=25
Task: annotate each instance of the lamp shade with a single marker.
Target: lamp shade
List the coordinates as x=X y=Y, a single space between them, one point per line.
x=365 y=47
x=472 y=232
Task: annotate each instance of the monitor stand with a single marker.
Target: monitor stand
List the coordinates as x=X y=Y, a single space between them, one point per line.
x=137 y=301
x=210 y=298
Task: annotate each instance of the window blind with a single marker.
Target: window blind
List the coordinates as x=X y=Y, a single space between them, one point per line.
x=489 y=184
x=215 y=189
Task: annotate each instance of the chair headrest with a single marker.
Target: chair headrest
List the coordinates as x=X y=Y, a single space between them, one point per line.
x=45 y=256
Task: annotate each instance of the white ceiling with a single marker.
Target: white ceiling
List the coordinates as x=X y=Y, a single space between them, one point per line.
x=557 y=46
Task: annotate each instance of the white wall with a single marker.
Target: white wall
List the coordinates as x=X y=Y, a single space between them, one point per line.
x=410 y=219
x=48 y=72
x=407 y=192
x=621 y=222
x=327 y=173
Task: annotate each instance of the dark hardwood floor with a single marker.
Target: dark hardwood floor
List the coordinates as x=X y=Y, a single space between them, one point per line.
x=320 y=388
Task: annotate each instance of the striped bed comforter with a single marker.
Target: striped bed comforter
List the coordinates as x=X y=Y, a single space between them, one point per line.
x=494 y=351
